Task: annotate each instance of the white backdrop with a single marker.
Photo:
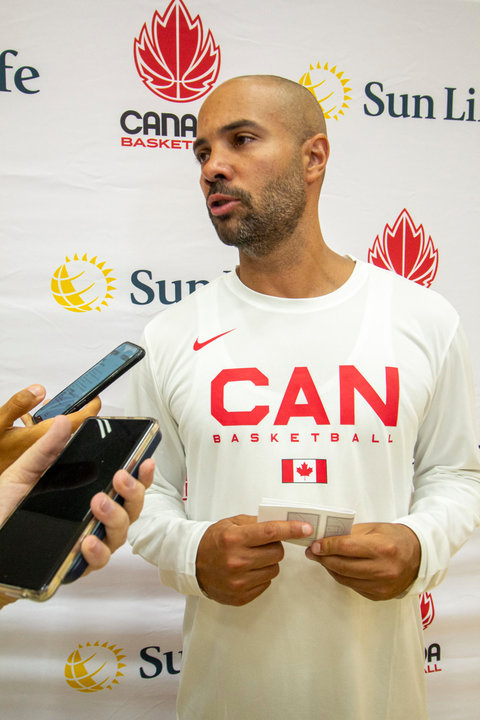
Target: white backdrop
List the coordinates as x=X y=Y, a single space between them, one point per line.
x=116 y=203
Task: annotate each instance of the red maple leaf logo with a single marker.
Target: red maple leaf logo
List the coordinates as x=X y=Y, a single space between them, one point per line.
x=403 y=249
x=173 y=60
x=427 y=609
x=304 y=470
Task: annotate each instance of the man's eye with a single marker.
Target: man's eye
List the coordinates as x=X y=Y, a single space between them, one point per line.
x=202 y=156
x=242 y=139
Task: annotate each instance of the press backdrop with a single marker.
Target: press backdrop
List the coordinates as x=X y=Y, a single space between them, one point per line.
x=102 y=225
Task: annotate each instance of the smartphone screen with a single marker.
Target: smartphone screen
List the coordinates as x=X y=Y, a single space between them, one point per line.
x=39 y=535
x=93 y=381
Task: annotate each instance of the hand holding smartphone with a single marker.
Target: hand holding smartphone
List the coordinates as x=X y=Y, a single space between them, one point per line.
x=40 y=541
x=92 y=382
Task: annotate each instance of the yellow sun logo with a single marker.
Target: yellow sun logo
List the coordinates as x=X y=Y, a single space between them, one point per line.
x=80 y=285
x=91 y=668
x=329 y=88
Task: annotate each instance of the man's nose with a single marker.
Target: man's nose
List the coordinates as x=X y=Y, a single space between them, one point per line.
x=217 y=167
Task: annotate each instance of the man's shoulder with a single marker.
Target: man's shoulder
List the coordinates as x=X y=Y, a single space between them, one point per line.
x=414 y=299
x=184 y=313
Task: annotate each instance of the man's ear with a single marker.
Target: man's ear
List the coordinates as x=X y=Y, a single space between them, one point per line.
x=317 y=150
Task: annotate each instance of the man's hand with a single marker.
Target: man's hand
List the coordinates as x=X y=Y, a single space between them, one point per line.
x=115 y=517
x=238 y=557
x=15 y=440
x=378 y=560
x=20 y=477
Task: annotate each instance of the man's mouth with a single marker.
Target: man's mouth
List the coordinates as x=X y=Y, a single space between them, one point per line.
x=220 y=204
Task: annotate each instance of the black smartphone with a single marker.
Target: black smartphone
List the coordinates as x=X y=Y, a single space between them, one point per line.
x=40 y=540
x=92 y=382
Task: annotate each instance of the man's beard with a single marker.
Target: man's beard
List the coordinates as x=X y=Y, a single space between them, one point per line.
x=258 y=232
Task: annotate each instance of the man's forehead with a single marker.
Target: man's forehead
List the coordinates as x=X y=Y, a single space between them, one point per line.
x=238 y=103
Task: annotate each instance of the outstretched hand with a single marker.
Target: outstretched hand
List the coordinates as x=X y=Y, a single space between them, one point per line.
x=378 y=560
x=238 y=557
x=15 y=440
x=115 y=517
x=20 y=477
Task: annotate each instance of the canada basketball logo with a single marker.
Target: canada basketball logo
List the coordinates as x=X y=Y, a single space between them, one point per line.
x=404 y=250
x=174 y=60
x=329 y=88
x=91 y=668
x=427 y=609
x=80 y=285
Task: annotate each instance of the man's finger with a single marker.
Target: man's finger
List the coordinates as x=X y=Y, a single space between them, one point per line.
x=367 y=540
x=19 y=404
x=351 y=568
x=344 y=546
x=244 y=519
x=364 y=541
x=95 y=552
x=113 y=516
x=37 y=458
x=133 y=491
x=274 y=531
x=145 y=472
x=89 y=410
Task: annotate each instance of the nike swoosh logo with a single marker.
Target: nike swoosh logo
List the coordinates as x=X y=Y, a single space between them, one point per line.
x=199 y=345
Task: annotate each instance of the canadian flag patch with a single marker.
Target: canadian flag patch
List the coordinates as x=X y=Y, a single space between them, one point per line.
x=304 y=470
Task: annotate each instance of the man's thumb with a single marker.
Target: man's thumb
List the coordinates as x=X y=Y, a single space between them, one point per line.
x=19 y=404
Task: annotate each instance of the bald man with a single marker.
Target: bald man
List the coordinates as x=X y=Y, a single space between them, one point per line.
x=301 y=359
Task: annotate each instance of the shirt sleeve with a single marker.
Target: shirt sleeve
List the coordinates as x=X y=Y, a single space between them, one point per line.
x=445 y=506
x=163 y=535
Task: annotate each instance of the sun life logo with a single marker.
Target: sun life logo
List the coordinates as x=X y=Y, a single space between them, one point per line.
x=80 y=285
x=329 y=88
x=91 y=668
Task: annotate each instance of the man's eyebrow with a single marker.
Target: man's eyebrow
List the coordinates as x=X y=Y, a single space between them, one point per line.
x=235 y=125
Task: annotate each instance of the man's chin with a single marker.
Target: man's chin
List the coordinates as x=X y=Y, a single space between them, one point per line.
x=228 y=240
x=247 y=247
x=225 y=233
x=236 y=235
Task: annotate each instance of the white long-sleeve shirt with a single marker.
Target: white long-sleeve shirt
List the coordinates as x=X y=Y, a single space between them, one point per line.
x=374 y=381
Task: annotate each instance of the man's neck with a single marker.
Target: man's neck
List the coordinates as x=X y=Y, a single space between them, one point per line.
x=296 y=269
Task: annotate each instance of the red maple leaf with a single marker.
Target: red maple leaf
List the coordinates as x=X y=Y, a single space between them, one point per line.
x=403 y=249
x=427 y=609
x=304 y=470
x=173 y=60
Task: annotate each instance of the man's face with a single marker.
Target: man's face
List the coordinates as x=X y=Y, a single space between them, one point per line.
x=252 y=172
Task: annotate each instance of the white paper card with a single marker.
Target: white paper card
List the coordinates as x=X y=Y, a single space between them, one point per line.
x=326 y=521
